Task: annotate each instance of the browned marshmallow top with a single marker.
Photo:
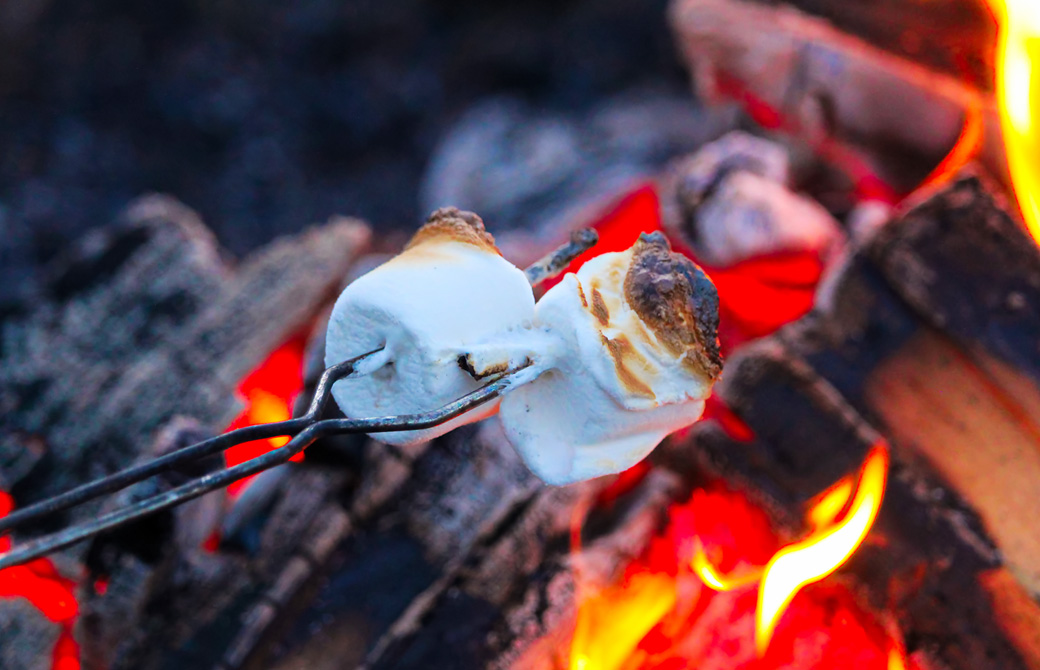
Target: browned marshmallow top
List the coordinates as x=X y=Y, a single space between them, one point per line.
x=675 y=299
x=450 y=224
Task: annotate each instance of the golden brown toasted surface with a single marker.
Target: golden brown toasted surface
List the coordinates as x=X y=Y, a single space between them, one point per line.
x=599 y=307
x=450 y=224
x=623 y=353
x=677 y=301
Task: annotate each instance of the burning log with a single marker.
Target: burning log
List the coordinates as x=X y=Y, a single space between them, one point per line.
x=799 y=72
x=890 y=353
x=146 y=322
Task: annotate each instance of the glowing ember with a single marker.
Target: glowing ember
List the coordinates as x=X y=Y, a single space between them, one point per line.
x=49 y=592
x=1018 y=55
x=268 y=392
x=824 y=551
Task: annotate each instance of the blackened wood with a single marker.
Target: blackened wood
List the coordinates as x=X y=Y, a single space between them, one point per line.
x=417 y=527
x=514 y=604
x=960 y=260
x=145 y=322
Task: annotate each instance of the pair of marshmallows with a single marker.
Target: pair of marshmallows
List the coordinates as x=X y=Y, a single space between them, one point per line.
x=618 y=355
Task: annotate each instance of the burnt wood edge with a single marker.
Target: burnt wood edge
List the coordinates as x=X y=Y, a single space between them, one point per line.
x=966 y=265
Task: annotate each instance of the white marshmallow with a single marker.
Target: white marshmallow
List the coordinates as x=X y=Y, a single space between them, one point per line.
x=634 y=358
x=448 y=292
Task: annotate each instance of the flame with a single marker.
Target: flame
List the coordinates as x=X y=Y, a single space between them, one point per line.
x=612 y=623
x=268 y=392
x=824 y=551
x=1018 y=53
x=829 y=505
x=711 y=577
x=964 y=149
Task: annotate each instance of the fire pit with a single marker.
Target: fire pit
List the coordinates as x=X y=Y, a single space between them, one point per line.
x=857 y=493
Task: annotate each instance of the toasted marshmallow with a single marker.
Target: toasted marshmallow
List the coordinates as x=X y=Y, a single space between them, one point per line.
x=449 y=292
x=635 y=357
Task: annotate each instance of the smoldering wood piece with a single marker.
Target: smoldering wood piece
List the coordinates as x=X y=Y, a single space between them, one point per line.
x=963 y=264
x=956 y=37
x=28 y=637
x=206 y=610
x=145 y=322
x=827 y=84
x=117 y=297
x=890 y=351
x=928 y=567
x=415 y=530
x=514 y=604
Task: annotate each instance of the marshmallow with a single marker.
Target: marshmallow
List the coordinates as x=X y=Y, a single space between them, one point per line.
x=449 y=292
x=635 y=355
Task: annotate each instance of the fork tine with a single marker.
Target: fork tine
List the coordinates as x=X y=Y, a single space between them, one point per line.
x=132 y=475
x=193 y=489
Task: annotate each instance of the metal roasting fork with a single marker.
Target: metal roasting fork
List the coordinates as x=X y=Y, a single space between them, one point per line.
x=305 y=430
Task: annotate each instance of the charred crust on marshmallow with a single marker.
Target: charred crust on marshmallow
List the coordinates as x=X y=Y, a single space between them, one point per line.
x=465 y=362
x=450 y=224
x=677 y=301
x=622 y=351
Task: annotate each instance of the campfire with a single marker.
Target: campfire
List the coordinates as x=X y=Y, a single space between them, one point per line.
x=780 y=411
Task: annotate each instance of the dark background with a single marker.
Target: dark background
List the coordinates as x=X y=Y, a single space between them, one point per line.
x=266 y=116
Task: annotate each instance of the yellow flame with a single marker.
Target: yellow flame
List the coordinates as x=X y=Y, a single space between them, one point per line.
x=896 y=660
x=829 y=505
x=611 y=624
x=819 y=555
x=704 y=569
x=1018 y=55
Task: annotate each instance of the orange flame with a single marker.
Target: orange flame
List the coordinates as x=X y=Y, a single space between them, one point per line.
x=823 y=552
x=1018 y=55
x=612 y=623
x=964 y=149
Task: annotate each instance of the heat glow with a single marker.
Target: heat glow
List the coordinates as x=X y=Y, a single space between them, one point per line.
x=1018 y=99
x=53 y=595
x=268 y=392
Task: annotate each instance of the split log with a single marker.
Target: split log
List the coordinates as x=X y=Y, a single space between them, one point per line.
x=829 y=85
x=909 y=342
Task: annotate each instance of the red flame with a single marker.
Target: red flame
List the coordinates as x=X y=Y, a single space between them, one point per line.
x=268 y=392
x=49 y=592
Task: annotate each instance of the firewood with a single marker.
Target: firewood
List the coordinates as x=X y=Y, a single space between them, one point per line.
x=827 y=84
x=145 y=322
